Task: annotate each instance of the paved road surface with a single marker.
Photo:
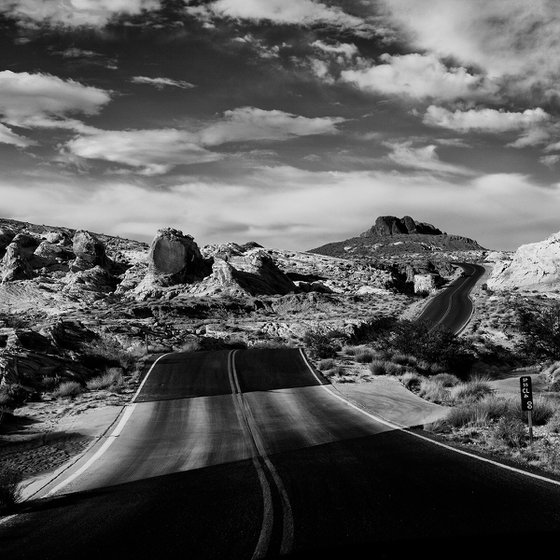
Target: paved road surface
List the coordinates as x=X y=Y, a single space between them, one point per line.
x=452 y=308
x=247 y=454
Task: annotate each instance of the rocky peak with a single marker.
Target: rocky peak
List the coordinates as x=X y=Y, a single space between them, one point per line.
x=16 y=263
x=391 y=225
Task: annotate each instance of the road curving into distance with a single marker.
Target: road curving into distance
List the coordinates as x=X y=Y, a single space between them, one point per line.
x=452 y=308
x=250 y=454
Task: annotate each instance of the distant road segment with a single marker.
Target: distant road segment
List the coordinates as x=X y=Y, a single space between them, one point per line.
x=452 y=308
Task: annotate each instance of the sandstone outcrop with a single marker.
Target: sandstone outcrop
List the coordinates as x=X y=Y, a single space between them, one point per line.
x=534 y=266
x=16 y=263
x=89 y=251
x=391 y=225
x=174 y=258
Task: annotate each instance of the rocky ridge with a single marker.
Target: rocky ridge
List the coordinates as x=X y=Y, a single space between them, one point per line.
x=534 y=266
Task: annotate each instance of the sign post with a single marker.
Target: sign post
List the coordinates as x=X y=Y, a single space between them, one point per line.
x=527 y=401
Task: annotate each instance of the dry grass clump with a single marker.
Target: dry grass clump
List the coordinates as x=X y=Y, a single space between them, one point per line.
x=364 y=357
x=434 y=391
x=113 y=379
x=326 y=364
x=385 y=367
x=471 y=391
x=446 y=379
x=510 y=432
x=404 y=359
x=68 y=389
x=9 y=489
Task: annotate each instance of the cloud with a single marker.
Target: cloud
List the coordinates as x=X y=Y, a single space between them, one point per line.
x=488 y=208
x=345 y=50
x=417 y=76
x=74 y=13
x=486 y=120
x=158 y=151
x=550 y=161
x=424 y=158
x=161 y=82
x=7 y=136
x=294 y=12
x=24 y=95
x=251 y=124
x=152 y=152
x=505 y=38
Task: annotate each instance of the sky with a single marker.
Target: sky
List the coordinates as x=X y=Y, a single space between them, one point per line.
x=292 y=123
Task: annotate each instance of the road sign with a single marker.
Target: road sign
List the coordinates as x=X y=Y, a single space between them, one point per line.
x=527 y=401
x=526 y=393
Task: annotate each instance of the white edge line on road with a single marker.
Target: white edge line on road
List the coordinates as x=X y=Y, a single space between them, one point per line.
x=420 y=436
x=129 y=409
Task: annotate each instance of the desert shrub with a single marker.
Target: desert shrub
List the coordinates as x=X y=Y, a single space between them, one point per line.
x=350 y=350
x=322 y=345
x=393 y=369
x=68 y=389
x=541 y=330
x=9 y=489
x=510 y=432
x=327 y=364
x=411 y=381
x=377 y=367
x=553 y=424
x=112 y=379
x=404 y=359
x=434 y=346
x=433 y=390
x=364 y=357
x=461 y=416
x=543 y=410
x=376 y=329
x=446 y=379
x=471 y=391
x=13 y=395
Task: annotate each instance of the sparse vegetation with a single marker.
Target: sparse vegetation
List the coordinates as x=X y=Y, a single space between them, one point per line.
x=9 y=489
x=113 y=379
x=68 y=389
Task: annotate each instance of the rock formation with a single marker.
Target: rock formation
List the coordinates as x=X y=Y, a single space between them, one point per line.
x=89 y=251
x=533 y=266
x=16 y=263
x=391 y=225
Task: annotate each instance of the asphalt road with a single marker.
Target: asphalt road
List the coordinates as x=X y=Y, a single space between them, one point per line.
x=452 y=308
x=248 y=454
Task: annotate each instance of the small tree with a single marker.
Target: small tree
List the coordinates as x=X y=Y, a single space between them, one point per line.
x=541 y=330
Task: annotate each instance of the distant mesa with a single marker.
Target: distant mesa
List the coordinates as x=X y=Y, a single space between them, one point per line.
x=390 y=236
x=391 y=225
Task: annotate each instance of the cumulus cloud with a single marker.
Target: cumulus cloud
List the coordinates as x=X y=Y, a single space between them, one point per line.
x=423 y=158
x=7 y=136
x=295 y=12
x=417 y=76
x=74 y=12
x=152 y=152
x=158 y=151
x=503 y=37
x=24 y=95
x=486 y=120
x=160 y=83
x=250 y=124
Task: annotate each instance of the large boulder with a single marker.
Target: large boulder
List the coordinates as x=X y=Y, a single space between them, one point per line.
x=174 y=258
x=16 y=263
x=534 y=266
x=89 y=251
